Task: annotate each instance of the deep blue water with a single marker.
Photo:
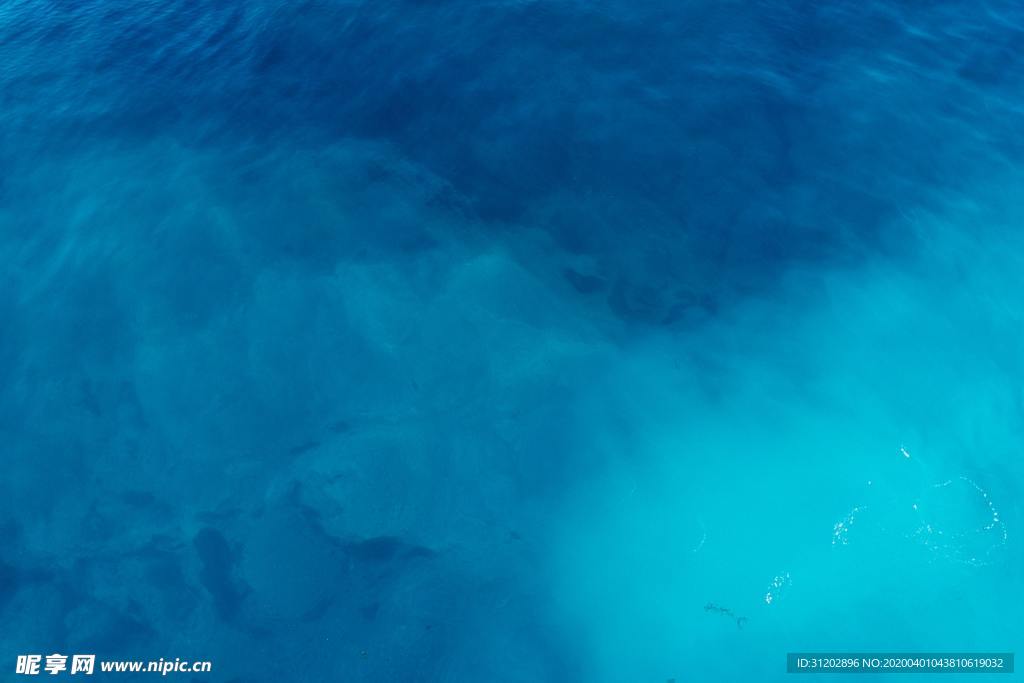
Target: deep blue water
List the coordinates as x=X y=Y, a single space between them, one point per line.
x=491 y=341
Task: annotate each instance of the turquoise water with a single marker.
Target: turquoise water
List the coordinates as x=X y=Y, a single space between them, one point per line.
x=510 y=341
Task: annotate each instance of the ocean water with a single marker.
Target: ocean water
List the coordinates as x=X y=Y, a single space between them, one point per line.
x=510 y=340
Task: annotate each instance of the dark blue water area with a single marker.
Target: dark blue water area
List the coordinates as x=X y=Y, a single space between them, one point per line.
x=510 y=340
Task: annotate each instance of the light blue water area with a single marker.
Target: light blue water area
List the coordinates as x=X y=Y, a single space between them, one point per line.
x=510 y=341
